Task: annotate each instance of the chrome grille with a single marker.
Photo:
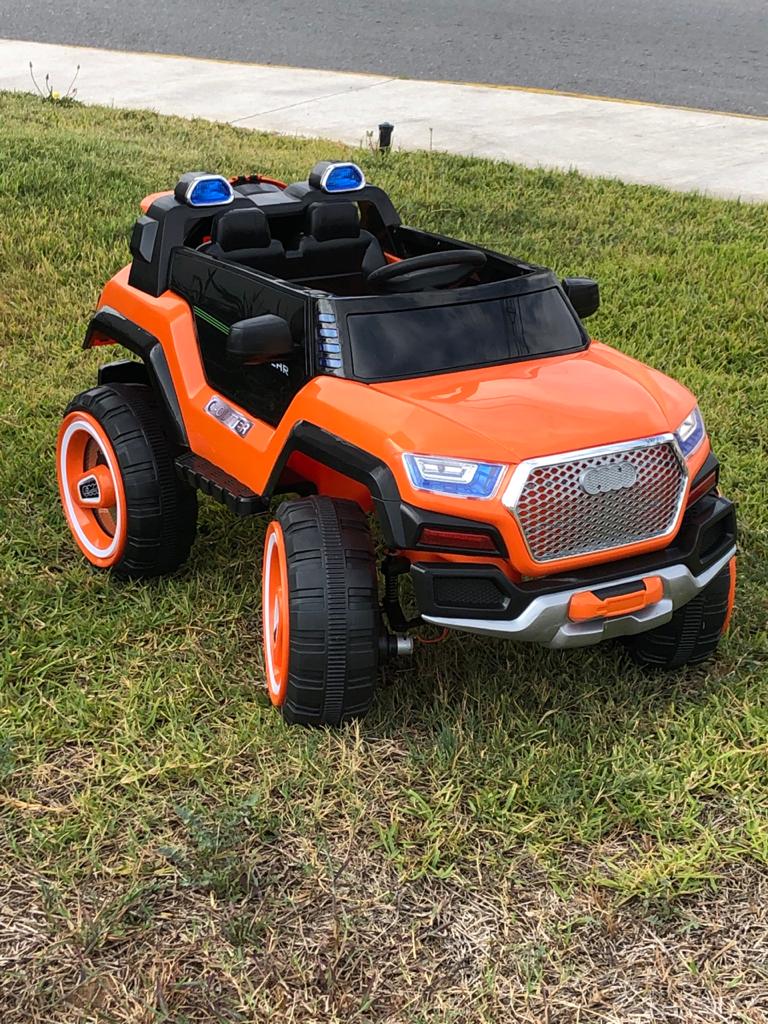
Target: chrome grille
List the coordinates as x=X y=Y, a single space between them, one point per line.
x=560 y=518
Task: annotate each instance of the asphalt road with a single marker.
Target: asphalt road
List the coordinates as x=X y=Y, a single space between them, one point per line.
x=700 y=53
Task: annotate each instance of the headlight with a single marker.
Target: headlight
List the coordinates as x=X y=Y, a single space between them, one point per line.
x=691 y=432
x=457 y=477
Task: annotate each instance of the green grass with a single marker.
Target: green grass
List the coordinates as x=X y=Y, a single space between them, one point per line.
x=512 y=832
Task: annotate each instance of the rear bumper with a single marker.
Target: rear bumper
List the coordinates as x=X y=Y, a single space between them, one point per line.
x=481 y=599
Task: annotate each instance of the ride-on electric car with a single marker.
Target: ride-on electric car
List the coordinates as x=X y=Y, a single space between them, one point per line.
x=299 y=340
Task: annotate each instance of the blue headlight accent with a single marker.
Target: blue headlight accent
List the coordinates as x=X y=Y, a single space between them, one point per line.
x=342 y=178
x=691 y=432
x=458 y=477
x=209 y=190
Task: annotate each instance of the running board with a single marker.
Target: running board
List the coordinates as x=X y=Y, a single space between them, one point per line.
x=209 y=479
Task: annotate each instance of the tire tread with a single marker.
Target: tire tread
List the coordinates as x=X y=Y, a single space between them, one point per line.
x=334 y=611
x=691 y=635
x=161 y=510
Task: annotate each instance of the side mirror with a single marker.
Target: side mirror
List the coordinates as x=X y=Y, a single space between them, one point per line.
x=260 y=339
x=583 y=294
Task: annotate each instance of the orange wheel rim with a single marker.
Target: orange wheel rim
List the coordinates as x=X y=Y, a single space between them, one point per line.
x=91 y=489
x=731 y=594
x=275 y=614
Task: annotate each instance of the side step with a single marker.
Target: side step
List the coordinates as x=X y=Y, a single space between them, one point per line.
x=209 y=479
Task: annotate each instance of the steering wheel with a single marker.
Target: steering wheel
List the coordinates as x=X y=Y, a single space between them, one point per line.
x=433 y=270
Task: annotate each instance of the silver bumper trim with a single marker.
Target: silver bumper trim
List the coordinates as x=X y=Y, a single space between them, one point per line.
x=545 y=620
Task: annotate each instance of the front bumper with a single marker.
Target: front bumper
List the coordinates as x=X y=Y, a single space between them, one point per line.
x=545 y=620
x=481 y=599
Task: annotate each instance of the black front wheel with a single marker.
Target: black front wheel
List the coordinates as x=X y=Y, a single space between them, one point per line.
x=693 y=632
x=320 y=611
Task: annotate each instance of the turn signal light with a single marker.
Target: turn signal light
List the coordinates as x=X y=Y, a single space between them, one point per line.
x=455 y=540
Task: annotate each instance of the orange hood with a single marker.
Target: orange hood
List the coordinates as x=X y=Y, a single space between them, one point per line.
x=546 y=406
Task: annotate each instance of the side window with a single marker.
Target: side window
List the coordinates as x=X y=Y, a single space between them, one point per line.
x=220 y=295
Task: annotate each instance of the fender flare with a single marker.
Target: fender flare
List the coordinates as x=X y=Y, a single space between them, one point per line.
x=108 y=327
x=353 y=462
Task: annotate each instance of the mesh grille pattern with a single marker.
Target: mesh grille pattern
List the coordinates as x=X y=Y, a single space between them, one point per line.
x=467 y=592
x=561 y=519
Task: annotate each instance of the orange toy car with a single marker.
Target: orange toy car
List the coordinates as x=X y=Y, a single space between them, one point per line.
x=299 y=340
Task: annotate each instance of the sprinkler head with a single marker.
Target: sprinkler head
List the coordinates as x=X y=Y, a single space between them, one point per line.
x=385 y=135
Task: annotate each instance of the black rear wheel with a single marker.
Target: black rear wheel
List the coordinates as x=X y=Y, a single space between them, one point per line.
x=321 y=615
x=126 y=508
x=693 y=632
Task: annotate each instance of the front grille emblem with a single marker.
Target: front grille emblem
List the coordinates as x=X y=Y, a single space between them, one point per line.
x=613 y=476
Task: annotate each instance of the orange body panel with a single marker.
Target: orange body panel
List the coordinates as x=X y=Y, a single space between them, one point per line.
x=499 y=414
x=547 y=406
x=147 y=201
x=329 y=481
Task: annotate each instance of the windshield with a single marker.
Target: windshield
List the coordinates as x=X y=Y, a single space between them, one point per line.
x=394 y=343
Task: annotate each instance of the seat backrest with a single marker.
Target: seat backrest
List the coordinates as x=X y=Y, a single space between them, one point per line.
x=243 y=236
x=334 y=244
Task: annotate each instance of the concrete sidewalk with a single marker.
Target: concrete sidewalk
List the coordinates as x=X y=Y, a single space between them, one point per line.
x=719 y=154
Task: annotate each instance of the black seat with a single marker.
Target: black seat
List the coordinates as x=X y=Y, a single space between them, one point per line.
x=243 y=236
x=334 y=245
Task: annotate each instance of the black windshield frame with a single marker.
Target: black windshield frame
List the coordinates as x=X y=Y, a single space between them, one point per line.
x=372 y=357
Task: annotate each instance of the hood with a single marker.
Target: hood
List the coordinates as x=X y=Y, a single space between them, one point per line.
x=552 y=405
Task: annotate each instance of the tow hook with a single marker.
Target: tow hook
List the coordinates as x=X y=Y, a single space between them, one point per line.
x=395 y=645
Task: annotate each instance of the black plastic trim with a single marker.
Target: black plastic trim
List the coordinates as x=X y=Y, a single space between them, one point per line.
x=162 y=374
x=462 y=592
x=708 y=532
x=123 y=371
x=619 y=589
x=425 y=574
x=111 y=324
x=211 y=480
x=143 y=237
x=354 y=462
x=416 y=520
x=711 y=465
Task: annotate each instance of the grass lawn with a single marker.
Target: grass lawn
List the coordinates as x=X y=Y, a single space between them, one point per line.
x=513 y=834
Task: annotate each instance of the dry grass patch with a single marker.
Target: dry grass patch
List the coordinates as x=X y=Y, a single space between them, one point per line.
x=342 y=939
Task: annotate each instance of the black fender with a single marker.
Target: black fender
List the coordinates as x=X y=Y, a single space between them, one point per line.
x=107 y=325
x=353 y=462
x=123 y=371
